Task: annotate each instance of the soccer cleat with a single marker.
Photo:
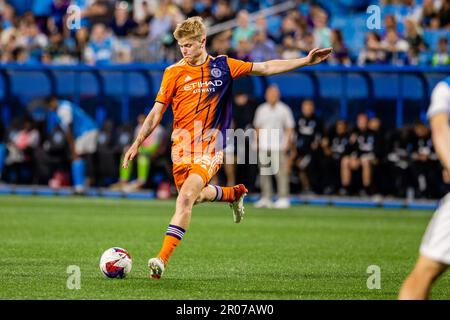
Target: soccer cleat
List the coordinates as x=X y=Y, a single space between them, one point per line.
x=156 y=267
x=238 y=205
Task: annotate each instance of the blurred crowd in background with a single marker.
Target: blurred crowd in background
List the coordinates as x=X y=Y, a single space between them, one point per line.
x=318 y=157
x=411 y=32
x=315 y=157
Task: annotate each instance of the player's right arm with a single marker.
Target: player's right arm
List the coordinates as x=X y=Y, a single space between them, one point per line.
x=441 y=137
x=438 y=114
x=151 y=122
x=163 y=99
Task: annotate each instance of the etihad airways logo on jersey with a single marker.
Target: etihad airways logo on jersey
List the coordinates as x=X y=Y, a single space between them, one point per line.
x=206 y=86
x=199 y=145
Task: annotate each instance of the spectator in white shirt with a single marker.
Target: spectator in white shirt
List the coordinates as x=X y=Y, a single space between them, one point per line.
x=274 y=126
x=394 y=46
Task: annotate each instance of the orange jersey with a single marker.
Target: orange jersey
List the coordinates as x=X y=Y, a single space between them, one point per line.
x=201 y=102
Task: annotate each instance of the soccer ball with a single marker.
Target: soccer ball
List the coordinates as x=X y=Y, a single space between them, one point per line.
x=115 y=263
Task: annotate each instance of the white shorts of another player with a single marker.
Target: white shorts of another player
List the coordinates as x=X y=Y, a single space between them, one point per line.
x=86 y=143
x=436 y=241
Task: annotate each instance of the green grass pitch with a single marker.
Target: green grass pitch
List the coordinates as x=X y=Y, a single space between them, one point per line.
x=305 y=252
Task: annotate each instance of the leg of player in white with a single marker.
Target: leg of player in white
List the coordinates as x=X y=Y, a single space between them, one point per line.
x=434 y=256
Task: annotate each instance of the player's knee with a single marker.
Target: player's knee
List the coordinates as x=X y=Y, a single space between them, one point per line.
x=185 y=200
x=184 y=206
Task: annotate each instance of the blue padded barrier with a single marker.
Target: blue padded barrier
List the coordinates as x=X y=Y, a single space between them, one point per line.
x=133 y=87
x=293 y=85
x=27 y=85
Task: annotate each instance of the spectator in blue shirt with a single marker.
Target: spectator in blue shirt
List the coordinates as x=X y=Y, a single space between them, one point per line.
x=244 y=30
x=100 y=48
x=264 y=48
x=81 y=133
x=7 y=17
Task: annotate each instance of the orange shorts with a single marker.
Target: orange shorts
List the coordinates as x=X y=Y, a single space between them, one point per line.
x=206 y=166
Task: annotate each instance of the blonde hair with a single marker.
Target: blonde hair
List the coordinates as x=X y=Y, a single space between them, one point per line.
x=192 y=28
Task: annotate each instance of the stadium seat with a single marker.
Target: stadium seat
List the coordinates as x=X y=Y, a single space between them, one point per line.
x=339 y=7
x=274 y=25
x=354 y=33
x=21 y=6
x=432 y=37
x=303 y=8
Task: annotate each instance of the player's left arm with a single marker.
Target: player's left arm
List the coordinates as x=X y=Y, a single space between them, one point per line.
x=273 y=67
x=440 y=130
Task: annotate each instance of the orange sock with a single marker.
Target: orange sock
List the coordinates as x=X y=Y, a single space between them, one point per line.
x=173 y=237
x=229 y=194
x=224 y=194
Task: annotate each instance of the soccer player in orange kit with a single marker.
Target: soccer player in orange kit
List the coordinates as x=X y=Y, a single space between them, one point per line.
x=199 y=87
